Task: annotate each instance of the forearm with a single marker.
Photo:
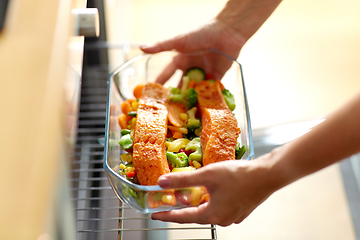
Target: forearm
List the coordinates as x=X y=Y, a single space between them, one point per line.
x=336 y=138
x=246 y=16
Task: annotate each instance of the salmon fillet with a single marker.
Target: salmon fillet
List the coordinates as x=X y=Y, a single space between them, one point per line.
x=150 y=162
x=209 y=95
x=220 y=129
x=149 y=156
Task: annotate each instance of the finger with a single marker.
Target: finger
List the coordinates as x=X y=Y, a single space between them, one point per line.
x=186 y=215
x=199 y=177
x=241 y=218
x=166 y=74
x=165 y=45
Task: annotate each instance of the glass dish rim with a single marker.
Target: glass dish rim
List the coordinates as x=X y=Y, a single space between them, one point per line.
x=107 y=119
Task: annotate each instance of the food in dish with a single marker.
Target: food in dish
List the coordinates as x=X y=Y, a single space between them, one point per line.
x=177 y=129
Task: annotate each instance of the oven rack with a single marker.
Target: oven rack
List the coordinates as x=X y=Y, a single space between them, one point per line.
x=98 y=212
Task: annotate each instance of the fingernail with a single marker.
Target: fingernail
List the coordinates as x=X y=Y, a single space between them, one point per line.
x=147 y=46
x=164 y=182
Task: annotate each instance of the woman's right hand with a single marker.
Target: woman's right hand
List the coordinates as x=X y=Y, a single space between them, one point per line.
x=227 y=33
x=214 y=35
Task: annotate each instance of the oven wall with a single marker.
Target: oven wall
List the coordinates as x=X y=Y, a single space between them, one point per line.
x=36 y=89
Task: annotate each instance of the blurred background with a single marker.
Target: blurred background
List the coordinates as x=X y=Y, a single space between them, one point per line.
x=299 y=67
x=302 y=64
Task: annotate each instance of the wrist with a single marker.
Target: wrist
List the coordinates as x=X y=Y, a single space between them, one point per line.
x=246 y=17
x=276 y=171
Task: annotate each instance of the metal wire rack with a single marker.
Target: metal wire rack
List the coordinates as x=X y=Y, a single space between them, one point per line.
x=99 y=213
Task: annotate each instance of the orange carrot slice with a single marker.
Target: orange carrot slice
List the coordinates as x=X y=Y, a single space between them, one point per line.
x=175 y=109
x=190 y=163
x=183 y=130
x=131 y=100
x=126 y=107
x=138 y=91
x=205 y=198
x=177 y=135
x=123 y=120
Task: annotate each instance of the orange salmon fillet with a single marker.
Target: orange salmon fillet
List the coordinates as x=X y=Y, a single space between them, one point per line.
x=209 y=95
x=149 y=156
x=219 y=126
x=150 y=162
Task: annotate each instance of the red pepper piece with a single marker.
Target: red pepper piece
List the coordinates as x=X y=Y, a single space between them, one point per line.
x=130 y=174
x=185 y=151
x=209 y=76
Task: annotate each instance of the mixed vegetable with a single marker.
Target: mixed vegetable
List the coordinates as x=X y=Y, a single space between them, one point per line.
x=183 y=145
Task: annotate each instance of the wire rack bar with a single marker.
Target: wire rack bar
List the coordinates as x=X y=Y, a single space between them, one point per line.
x=94 y=198
x=151 y=229
x=89 y=179
x=101 y=208
x=115 y=218
x=87 y=161
x=95 y=153
x=92 y=188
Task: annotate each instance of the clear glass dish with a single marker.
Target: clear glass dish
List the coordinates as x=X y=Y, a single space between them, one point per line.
x=147 y=68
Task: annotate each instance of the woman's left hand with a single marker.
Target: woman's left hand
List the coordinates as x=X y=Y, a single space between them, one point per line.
x=236 y=188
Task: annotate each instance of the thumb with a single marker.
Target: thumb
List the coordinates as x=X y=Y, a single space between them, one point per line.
x=166 y=45
x=184 y=179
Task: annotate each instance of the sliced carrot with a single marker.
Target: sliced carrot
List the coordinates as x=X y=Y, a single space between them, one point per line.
x=175 y=109
x=126 y=107
x=123 y=120
x=190 y=163
x=154 y=203
x=204 y=198
x=183 y=130
x=138 y=91
x=177 y=135
x=192 y=84
x=130 y=100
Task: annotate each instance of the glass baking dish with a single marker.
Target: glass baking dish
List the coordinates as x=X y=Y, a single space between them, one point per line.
x=168 y=66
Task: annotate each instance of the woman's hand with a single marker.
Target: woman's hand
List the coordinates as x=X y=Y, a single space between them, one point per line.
x=227 y=33
x=236 y=188
x=214 y=35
